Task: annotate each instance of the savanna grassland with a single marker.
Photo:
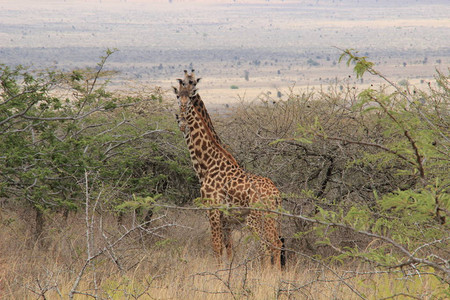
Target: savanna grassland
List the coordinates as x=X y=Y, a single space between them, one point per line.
x=98 y=198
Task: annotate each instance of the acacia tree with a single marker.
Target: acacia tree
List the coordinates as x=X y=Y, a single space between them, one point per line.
x=411 y=221
x=365 y=173
x=56 y=127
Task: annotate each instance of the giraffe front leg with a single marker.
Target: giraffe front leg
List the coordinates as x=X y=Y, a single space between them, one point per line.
x=215 y=221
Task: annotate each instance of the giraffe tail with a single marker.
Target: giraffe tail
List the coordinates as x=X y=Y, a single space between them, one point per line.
x=282 y=252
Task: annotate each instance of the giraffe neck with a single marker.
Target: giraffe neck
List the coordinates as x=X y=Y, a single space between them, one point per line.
x=182 y=124
x=200 y=108
x=204 y=150
x=191 y=81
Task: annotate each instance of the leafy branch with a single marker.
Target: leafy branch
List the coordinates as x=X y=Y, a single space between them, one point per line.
x=362 y=65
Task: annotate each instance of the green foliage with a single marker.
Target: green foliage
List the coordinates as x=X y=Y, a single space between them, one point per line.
x=49 y=142
x=126 y=287
x=416 y=144
x=361 y=63
x=374 y=163
x=138 y=203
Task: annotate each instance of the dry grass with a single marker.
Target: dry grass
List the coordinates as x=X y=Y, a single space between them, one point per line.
x=173 y=263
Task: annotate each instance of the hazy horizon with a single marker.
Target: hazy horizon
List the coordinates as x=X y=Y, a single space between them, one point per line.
x=277 y=42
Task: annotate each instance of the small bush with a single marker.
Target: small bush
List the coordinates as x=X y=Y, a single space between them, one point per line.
x=368 y=168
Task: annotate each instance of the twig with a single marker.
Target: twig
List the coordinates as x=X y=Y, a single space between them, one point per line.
x=401 y=294
x=407 y=135
x=390 y=241
x=367 y=144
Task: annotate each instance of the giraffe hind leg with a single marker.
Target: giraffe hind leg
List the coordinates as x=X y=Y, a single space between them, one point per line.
x=215 y=220
x=274 y=243
x=256 y=223
x=228 y=242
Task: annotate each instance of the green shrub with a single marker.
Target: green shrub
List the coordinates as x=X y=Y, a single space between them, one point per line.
x=368 y=169
x=58 y=150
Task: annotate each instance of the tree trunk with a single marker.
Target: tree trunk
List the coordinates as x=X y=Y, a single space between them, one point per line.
x=40 y=222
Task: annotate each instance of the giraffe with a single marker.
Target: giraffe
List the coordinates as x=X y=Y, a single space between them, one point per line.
x=224 y=182
x=191 y=81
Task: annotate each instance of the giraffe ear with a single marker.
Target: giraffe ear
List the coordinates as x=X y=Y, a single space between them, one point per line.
x=180 y=81
x=198 y=79
x=175 y=90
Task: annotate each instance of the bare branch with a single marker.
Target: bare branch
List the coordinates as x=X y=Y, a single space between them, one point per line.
x=367 y=144
x=419 y=164
x=19 y=114
x=413 y=259
x=112 y=147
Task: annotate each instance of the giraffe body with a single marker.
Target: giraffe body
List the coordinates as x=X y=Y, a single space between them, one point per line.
x=224 y=182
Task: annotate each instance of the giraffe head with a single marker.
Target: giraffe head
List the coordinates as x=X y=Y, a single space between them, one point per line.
x=185 y=93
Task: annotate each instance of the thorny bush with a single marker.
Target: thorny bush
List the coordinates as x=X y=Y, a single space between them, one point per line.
x=368 y=168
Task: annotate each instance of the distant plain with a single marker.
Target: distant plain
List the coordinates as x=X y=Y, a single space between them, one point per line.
x=258 y=47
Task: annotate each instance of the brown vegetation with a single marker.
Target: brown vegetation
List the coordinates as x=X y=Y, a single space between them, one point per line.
x=171 y=261
x=364 y=176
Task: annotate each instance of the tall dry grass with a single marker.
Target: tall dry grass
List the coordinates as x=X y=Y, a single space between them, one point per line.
x=173 y=261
